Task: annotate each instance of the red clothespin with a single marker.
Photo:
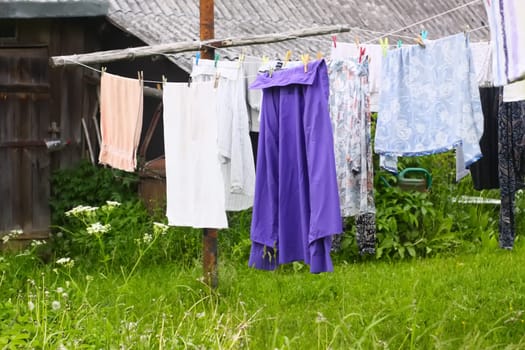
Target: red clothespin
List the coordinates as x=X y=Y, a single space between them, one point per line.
x=362 y=51
x=334 y=40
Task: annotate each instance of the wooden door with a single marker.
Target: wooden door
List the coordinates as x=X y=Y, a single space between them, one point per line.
x=24 y=124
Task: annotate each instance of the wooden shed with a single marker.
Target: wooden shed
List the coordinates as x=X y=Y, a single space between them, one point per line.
x=41 y=109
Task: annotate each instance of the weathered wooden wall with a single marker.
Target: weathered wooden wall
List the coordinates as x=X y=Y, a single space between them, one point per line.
x=32 y=97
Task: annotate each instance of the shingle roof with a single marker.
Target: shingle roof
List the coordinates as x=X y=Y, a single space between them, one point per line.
x=162 y=21
x=52 y=8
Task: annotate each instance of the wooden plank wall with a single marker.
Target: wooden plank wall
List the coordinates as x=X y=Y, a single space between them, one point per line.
x=31 y=97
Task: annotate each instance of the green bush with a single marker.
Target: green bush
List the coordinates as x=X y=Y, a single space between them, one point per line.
x=87 y=184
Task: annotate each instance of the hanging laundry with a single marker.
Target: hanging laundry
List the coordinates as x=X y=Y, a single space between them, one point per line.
x=233 y=138
x=296 y=209
x=254 y=97
x=507 y=33
x=482 y=60
x=514 y=92
x=429 y=101
x=194 y=180
x=481 y=54
x=511 y=159
x=350 y=114
x=484 y=172
x=345 y=51
x=121 y=104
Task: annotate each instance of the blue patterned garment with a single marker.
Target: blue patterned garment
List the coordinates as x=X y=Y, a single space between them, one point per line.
x=429 y=101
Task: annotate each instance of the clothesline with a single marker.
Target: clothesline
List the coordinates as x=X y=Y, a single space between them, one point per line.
x=249 y=76
x=424 y=20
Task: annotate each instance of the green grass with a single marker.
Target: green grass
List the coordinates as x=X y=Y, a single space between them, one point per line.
x=465 y=302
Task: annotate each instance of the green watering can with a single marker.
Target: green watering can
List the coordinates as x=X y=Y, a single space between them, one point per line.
x=413 y=179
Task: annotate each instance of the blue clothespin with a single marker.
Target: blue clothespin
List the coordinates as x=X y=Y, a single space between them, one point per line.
x=399 y=43
x=424 y=34
x=216 y=59
x=197 y=58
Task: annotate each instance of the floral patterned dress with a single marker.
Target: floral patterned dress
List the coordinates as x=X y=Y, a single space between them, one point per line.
x=350 y=115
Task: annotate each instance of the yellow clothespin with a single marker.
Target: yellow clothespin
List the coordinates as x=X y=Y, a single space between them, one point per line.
x=420 y=42
x=305 y=58
x=319 y=55
x=356 y=39
x=241 y=58
x=287 y=57
x=265 y=59
x=384 y=45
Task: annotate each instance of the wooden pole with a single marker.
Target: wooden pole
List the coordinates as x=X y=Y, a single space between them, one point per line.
x=185 y=46
x=210 y=235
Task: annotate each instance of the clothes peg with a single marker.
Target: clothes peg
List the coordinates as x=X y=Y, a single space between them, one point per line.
x=420 y=42
x=265 y=60
x=103 y=70
x=362 y=51
x=197 y=58
x=140 y=75
x=241 y=57
x=305 y=58
x=287 y=56
x=334 y=40
x=356 y=39
x=399 y=43
x=190 y=79
x=384 y=45
x=164 y=79
x=216 y=83
x=270 y=72
x=217 y=56
x=319 y=55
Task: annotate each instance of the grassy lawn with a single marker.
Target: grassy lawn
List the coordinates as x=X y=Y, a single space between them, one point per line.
x=474 y=301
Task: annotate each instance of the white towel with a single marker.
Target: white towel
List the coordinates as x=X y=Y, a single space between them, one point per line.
x=194 y=182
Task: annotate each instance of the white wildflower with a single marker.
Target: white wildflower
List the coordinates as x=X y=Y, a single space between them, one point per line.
x=320 y=318
x=36 y=243
x=97 y=228
x=61 y=347
x=55 y=305
x=130 y=326
x=63 y=261
x=200 y=315
x=30 y=305
x=80 y=209
x=112 y=203
x=60 y=234
x=5 y=238
x=60 y=290
x=68 y=262
x=89 y=278
x=16 y=232
x=65 y=295
x=160 y=228
x=147 y=238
